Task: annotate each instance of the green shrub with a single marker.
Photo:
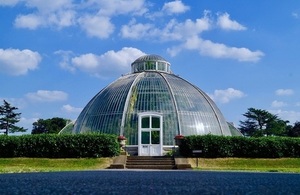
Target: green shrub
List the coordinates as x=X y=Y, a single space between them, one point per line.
x=8 y=146
x=59 y=146
x=213 y=146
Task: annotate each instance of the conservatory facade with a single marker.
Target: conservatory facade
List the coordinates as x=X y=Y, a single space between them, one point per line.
x=150 y=106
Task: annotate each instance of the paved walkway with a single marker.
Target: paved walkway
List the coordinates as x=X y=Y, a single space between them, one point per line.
x=149 y=182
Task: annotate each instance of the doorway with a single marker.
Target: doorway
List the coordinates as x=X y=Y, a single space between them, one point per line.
x=150 y=135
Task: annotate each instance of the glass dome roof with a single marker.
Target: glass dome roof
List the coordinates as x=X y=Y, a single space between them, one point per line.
x=185 y=108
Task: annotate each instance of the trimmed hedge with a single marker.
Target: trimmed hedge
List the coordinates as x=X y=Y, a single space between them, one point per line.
x=222 y=146
x=59 y=146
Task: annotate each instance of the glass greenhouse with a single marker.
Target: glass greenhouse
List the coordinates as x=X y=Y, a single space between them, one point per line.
x=150 y=106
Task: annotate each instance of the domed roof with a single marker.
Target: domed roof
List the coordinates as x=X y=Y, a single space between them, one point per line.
x=185 y=108
x=151 y=57
x=150 y=63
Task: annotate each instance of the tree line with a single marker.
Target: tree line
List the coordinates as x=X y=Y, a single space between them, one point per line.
x=9 y=117
x=258 y=123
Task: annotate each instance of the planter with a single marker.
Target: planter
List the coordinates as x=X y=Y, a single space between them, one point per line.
x=178 y=139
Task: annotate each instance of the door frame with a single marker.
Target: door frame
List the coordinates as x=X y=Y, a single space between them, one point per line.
x=151 y=147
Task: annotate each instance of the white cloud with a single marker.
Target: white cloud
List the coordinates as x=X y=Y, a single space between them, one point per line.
x=225 y=96
x=180 y=31
x=46 y=6
x=226 y=23
x=278 y=104
x=70 y=109
x=94 y=17
x=97 y=26
x=175 y=7
x=117 y=7
x=58 y=19
x=47 y=96
x=8 y=2
x=48 y=13
x=284 y=92
x=173 y=31
x=87 y=62
x=18 y=62
x=219 y=50
x=30 y=21
x=107 y=64
x=188 y=33
x=65 y=63
x=62 y=18
x=289 y=115
x=136 y=31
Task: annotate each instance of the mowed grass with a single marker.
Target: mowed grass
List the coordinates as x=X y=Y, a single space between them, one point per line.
x=291 y=165
x=19 y=165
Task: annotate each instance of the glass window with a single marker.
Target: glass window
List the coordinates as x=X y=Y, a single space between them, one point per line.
x=155 y=122
x=141 y=66
x=162 y=66
x=145 y=137
x=150 y=65
x=155 y=137
x=145 y=122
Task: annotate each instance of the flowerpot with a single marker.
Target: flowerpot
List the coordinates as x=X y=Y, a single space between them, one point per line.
x=178 y=142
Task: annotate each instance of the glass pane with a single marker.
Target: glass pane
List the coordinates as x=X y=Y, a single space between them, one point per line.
x=155 y=122
x=145 y=122
x=150 y=65
x=145 y=137
x=161 y=66
x=154 y=137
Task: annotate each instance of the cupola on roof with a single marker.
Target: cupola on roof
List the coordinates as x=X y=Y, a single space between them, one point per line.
x=150 y=63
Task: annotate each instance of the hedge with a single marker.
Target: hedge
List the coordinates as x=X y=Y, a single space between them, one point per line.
x=59 y=146
x=224 y=146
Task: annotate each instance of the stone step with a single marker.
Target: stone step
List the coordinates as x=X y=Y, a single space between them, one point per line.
x=150 y=162
x=149 y=158
x=150 y=166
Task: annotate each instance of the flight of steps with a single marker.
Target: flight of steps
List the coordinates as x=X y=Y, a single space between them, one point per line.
x=150 y=162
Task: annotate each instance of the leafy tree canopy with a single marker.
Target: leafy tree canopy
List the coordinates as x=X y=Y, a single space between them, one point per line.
x=295 y=130
x=53 y=125
x=262 y=123
x=8 y=118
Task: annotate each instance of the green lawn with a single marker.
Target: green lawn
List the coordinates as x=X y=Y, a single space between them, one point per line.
x=248 y=164
x=18 y=165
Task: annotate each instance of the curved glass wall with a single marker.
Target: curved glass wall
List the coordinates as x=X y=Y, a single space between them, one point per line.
x=185 y=108
x=198 y=114
x=151 y=94
x=104 y=112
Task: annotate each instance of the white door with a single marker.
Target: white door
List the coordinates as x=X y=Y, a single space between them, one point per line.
x=150 y=135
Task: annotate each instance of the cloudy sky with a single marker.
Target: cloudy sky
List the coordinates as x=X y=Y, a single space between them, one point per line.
x=56 y=55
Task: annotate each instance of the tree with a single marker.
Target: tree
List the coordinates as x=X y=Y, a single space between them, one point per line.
x=262 y=123
x=295 y=130
x=53 y=125
x=8 y=119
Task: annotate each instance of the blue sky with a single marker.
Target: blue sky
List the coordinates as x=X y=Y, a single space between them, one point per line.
x=56 y=55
